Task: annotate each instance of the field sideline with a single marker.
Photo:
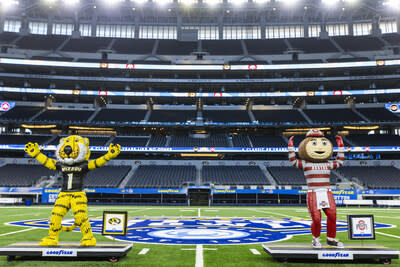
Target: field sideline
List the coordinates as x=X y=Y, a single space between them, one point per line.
x=190 y=255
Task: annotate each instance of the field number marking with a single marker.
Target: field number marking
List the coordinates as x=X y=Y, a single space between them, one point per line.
x=144 y=251
x=255 y=251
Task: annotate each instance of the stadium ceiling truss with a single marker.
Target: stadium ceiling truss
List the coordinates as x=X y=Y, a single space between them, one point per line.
x=178 y=12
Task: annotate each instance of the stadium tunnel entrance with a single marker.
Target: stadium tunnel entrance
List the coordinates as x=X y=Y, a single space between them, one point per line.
x=199 y=197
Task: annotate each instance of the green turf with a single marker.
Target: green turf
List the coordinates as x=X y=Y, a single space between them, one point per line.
x=173 y=255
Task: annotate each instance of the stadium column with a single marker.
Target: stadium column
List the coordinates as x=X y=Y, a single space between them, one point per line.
x=221 y=26
x=179 y=26
x=262 y=25
x=306 y=25
x=137 y=27
x=376 y=31
x=76 y=33
x=50 y=23
x=350 y=26
x=398 y=24
x=1 y=24
x=94 y=22
x=24 y=30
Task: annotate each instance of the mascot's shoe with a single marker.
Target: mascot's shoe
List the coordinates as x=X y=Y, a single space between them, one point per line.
x=316 y=242
x=334 y=242
x=48 y=241
x=88 y=242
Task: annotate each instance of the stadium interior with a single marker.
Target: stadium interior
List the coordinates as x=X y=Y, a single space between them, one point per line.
x=200 y=97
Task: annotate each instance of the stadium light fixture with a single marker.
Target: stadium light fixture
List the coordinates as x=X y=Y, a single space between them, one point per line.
x=351 y=2
x=162 y=2
x=238 y=2
x=140 y=2
x=188 y=2
x=71 y=2
x=261 y=1
x=287 y=2
x=329 y=2
x=212 y=2
x=50 y=2
x=8 y=4
x=112 y=2
x=395 y=4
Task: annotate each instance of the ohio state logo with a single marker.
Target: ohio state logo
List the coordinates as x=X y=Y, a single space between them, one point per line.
x=207 y=231
x=361 y=225
x=252 y=67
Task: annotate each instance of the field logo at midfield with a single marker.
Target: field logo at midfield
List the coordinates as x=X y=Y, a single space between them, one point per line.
x=215 y=231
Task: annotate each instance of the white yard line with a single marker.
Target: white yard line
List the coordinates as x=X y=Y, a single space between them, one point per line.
x=144 y=251
x=49 y=207
x=395 y=236
x=255 y=251
x=198 y=212
x=276 y=213
x=20 y=231
x=199 y=255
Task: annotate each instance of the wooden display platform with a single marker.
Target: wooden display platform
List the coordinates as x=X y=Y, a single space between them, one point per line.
x=66 y=250
x=305 y=252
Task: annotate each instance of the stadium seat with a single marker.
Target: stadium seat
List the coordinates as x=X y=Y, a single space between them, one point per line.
x=162 y=176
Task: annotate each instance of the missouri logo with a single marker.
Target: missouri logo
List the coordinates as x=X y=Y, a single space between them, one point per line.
x=114 y=221
x=207 y=231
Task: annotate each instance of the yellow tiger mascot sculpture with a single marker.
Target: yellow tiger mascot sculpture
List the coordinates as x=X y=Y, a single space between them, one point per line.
x=73 y=161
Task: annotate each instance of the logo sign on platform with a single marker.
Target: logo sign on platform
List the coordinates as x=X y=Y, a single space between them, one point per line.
x=206 y=231
x=114 y=222
x=361 y=226
x=335 y=255
x=59 y=252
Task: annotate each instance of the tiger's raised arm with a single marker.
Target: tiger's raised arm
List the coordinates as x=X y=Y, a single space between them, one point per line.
x=33 y=150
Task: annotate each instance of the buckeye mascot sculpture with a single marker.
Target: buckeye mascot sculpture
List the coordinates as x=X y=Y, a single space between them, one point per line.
x=73 y=161
x=315 y=152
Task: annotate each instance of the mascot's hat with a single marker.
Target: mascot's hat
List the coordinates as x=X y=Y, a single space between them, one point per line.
x=314 y=133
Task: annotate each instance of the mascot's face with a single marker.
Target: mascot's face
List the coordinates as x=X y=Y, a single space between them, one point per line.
x=73 y=149
x=315 y=149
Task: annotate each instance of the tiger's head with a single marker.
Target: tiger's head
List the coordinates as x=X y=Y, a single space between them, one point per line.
x=73 y=149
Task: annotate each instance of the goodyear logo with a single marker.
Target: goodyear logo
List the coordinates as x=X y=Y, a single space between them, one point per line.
x=59 y=253
x=335 y=255
x=52 y=190
x=224 y=191
x=168 y=191
x=206 y=231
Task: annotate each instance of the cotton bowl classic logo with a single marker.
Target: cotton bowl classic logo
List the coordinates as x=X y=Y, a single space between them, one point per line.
x=214 y=231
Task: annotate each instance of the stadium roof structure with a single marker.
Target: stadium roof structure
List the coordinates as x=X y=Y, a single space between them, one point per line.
x=200 y=11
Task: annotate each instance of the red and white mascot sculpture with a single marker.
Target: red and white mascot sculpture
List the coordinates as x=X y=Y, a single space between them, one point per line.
x=315 y=152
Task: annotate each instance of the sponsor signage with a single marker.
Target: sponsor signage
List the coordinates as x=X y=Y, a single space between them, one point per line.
x=391 y=107
x=394 y=107
x=6 y=106
x=67 y=64
x=58 y=252
x=335 y=255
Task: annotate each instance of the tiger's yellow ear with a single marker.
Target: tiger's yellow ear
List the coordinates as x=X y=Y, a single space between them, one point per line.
x=62 y=140
x=86 y=140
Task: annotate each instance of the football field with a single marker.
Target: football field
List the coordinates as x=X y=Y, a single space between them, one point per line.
x=187 y=236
